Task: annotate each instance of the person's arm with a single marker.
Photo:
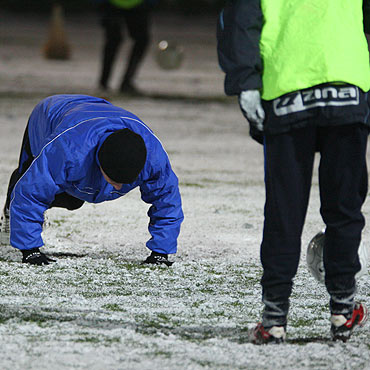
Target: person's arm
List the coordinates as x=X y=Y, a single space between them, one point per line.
x=31 y=197
x=162 y=191
x=238 y=37
x=238 y=34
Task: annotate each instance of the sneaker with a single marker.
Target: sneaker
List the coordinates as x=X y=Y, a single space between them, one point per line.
x=342 y=328
x=5 y=228
x=103 y=92
x=260 y=335
x=129 y=89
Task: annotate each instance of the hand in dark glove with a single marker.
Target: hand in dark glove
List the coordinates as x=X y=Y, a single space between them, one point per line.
x=158 y=259
x=251 y=106
x=35 y=257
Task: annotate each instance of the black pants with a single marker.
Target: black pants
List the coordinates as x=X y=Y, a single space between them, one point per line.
x=137 y=22
x=62 y=200
x=343 y=175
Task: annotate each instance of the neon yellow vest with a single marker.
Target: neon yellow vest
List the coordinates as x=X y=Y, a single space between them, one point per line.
x=126 y=4
x=308 y=42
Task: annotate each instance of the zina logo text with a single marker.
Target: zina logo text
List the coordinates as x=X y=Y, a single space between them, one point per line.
x=317 y=97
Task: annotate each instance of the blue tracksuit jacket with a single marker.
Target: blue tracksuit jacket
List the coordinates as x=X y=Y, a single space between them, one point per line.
x=65 y=133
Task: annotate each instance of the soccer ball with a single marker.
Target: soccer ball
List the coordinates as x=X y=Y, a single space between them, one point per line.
x=315 y=262
x=169 y=55
x=314 y=257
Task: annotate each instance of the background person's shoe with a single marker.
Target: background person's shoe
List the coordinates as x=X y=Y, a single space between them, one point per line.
x=342 y=328
x=128 y=88
x=5 y=228
x=260 y=335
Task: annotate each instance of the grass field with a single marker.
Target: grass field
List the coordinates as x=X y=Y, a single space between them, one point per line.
x=108 y=312
x=97 y=307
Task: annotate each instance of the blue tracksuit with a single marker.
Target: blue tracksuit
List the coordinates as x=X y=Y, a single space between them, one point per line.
x=65 y=133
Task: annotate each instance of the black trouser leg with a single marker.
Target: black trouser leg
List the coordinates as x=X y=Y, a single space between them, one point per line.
x=138 y=27
x=113 y=38
x=288 y=171
x=343 y=188
x=64 y=200
x=25 y=160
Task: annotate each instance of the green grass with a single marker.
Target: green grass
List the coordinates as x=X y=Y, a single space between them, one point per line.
x=110 y=303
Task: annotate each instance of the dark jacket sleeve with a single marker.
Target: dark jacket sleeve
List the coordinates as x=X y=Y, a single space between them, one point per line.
x=366 y=11
x=238 y=35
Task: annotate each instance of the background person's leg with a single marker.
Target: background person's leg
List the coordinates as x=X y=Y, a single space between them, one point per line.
x=111 y=23
x=137 y=21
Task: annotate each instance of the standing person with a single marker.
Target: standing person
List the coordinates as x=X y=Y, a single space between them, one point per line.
x=135 y=15
x=80 y=149
x=313 y=75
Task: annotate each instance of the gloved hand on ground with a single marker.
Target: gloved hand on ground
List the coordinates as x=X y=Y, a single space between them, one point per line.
x=35 y=257
x=157 y=259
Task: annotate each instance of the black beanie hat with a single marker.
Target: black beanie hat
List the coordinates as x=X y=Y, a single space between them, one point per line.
x=122 y=156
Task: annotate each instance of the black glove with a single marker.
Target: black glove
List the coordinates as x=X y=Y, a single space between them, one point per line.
x=157 y=259
x=35 y=257
x=251 y=106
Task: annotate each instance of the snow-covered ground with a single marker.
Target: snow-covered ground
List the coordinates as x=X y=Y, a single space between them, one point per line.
x=97 y=307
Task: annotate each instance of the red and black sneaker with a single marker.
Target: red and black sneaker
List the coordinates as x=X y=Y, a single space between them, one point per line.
x=342 y=328
x=260 y=335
